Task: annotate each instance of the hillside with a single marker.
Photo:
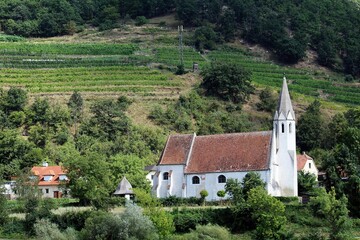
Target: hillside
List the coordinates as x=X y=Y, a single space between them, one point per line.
x=139 y=62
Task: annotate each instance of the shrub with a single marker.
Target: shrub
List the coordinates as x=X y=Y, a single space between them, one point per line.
x=267 y=212
x=131 y=224
x=46 y=230
x=3 y=209
x=141 y=20
x=163 y=221
x=207 y=232
x=13 y=226
x=72 y=219
x=180 y=70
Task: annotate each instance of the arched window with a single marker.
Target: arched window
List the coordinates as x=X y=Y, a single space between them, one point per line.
x=195 y=180
x=290 y=126
x=165 y=176
x=221 y=179
x=282 y=128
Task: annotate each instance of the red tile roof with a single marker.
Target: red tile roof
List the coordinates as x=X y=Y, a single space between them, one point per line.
x=53 y=171
x=301 y=160
x=177 y=149
x=230 y=152
x=219 y=153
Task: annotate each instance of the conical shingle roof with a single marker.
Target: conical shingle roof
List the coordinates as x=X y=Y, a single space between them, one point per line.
x=124 y=187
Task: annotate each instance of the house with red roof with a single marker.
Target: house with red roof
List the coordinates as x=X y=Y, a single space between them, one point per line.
x=50 y=180
x=191 y=163
x=306 y=164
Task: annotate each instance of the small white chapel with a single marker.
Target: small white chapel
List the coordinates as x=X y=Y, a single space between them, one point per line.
x=191 y=163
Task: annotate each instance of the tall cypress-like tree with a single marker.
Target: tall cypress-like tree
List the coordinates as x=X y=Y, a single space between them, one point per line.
x=310 y=128
x=76 y=105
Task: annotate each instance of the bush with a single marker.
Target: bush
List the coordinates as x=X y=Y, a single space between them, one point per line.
x=13 y=227
x=163 y=221
x=3 y=209
x=71 y=219
x=46 y=230
x=207 y=232
x=131 y=224
x=141 y=20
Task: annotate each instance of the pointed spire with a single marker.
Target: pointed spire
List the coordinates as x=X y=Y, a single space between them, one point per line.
x=284 y=105
x=124 y=187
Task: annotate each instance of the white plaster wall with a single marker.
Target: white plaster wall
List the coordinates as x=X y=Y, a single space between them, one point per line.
x=286 y=174
x=150 y=177
x=312 y=170
x=52 y=189
x=172 y=186
x=209 y=182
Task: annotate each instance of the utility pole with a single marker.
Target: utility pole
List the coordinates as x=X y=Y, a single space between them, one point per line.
x=181 y=50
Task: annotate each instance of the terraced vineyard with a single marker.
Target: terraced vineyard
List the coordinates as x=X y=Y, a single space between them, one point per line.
x=171 y=56
x=53 y=68
x=121 y=68
x=141 y=80
x=267 y=74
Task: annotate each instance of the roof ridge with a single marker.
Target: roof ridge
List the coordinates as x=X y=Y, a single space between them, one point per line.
x=237 y=133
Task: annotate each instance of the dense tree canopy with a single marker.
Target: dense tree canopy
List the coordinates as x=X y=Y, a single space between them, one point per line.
x=227 y=82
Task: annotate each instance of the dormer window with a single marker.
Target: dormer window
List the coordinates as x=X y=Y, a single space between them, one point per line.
x=63 y=177
x=47 y=178
x=309 y=165
x=282 y=128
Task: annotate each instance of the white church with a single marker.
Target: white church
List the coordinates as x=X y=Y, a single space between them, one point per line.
x=191 y=163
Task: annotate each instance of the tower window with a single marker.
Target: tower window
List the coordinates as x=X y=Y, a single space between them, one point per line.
x=282 y=128
x=165 y=176
x=221 y=179
x=309 y=165
x=290 y=126
x=195 y=180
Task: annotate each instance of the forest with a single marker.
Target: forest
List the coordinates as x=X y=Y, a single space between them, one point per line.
x=287 y=28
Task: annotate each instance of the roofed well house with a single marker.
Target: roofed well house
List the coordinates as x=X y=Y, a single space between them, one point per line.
x=191 y=163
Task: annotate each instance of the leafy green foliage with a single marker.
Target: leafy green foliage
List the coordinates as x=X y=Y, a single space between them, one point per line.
x=44 y=229
x=194 y=112
x=334 y=211
x=306 y=182
x=76 y=105
x=3 y=208
x=207 y=232
x=267 y=212
x=108 y=120
x=267 y=100
x=130 y=224
x=227 y=82
x=250 y=181
x=205 y=38
x=162 y=220
x=310 y=127
x=90 y=179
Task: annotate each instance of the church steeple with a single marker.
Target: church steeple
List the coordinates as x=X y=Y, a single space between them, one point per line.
x=284 y=142
x=284 y=105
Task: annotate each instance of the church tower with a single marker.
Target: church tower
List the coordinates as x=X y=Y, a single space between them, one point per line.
x=285 y=163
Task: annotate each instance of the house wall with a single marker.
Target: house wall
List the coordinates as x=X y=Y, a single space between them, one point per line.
x=171 y=187
x=209 y=182
x=311 y=169
x=150 y=177
x=51 y=190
